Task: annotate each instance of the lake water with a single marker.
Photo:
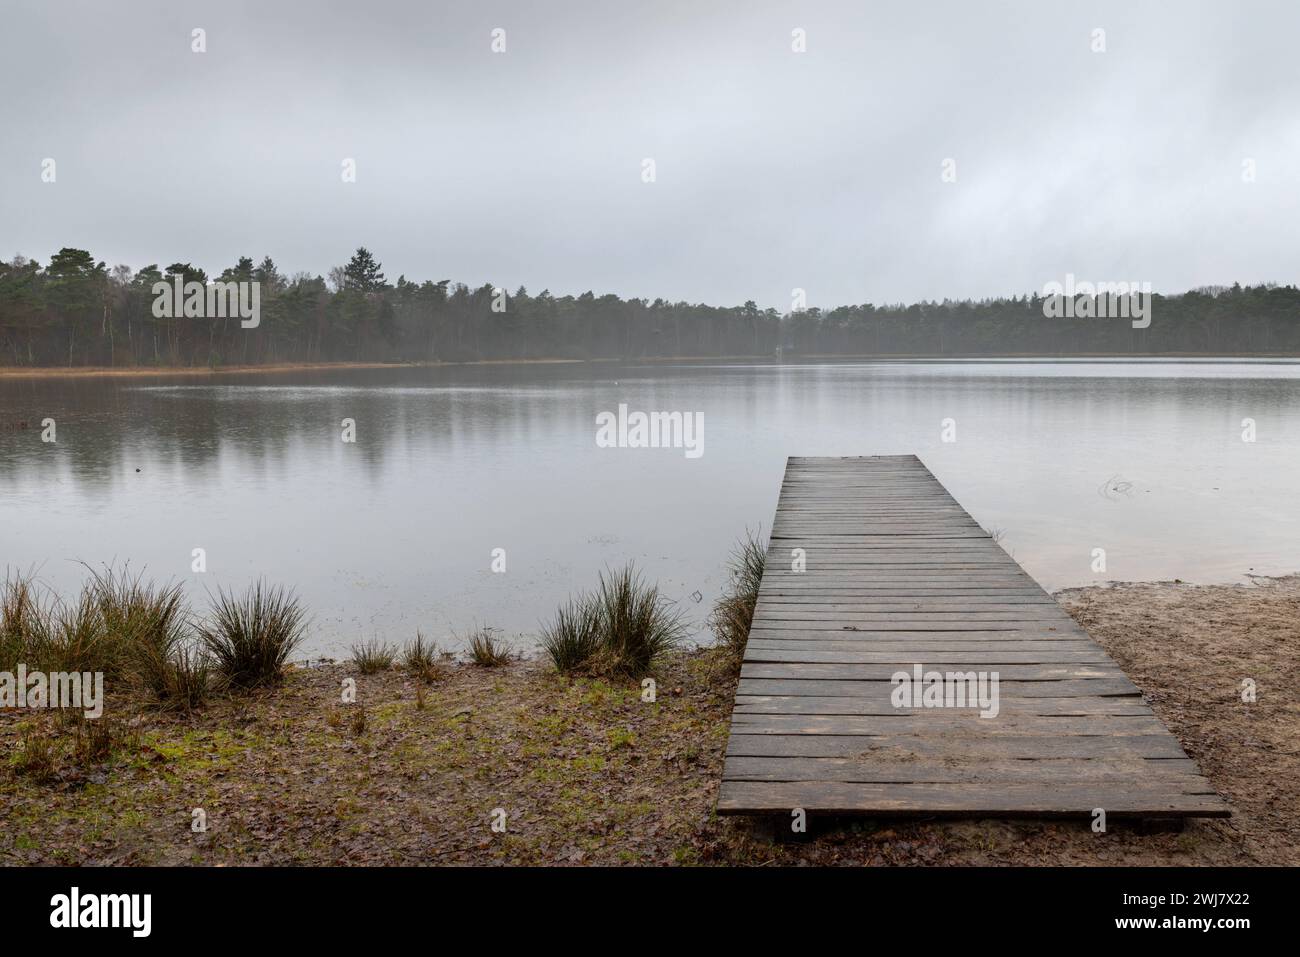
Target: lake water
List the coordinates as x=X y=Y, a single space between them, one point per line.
x=396 y=530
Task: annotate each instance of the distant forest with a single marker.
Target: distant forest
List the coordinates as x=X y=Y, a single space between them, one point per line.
x=74 y=311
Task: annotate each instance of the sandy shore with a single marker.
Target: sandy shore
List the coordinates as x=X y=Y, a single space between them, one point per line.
x=590 y=774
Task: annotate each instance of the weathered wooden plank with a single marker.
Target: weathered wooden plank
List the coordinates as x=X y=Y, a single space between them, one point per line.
x=1083 y=687
x=873 y=606
x=817 y=651
x=1045 y=628
x=946 y=721
x=883 y=672
x=901 y=746
x=923 y=640
x=929 y=645
x=966 y=799
x=1028 y=613
x=898 y=593
x=882 y=705
x=893 y=573
x=886 y=768
x=930 y=577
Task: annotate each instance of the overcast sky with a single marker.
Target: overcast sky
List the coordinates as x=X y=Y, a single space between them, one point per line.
x=774 y=169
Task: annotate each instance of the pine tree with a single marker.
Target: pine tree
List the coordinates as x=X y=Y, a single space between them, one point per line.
x=362 y=273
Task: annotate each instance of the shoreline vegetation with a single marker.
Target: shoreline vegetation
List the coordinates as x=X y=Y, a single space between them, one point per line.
x=271 y=763
x=74 y=311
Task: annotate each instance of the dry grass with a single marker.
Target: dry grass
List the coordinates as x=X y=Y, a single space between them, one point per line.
x=572 y=639
x=488 y=651
x=420 y=658
x=373 y=656
x=623 y=629
x=34 y=756
x=358 y=722
x=733 y=614
x=589 y=773
x=23 y=621
x=250 y=637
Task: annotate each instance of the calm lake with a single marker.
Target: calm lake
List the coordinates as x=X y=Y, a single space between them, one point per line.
x=397 y=530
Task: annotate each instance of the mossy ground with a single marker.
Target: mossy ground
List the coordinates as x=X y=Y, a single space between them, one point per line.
x=589 y=773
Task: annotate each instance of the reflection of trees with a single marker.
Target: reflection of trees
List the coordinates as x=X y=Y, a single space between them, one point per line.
x=246 y=428
x=263 y=424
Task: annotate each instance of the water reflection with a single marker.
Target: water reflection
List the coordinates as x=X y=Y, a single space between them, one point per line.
x=395 y=531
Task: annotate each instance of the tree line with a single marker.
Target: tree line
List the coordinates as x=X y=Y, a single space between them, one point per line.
x=75 y=311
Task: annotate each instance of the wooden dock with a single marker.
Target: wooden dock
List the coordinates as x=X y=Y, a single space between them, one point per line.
x=898 y=575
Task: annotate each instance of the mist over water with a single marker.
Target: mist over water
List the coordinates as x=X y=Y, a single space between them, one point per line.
x=396 y=531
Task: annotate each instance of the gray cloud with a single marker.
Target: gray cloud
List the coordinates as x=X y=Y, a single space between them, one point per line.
x=775 y=170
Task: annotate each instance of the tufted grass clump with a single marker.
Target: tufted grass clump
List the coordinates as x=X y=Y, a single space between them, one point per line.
x=420 y=658
x=488 y=651
x=572 y=640
x=145 y=625
x=734 y=611
x=622 y=629
x=24 y=621
x=374 y=656
x=251 y=635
